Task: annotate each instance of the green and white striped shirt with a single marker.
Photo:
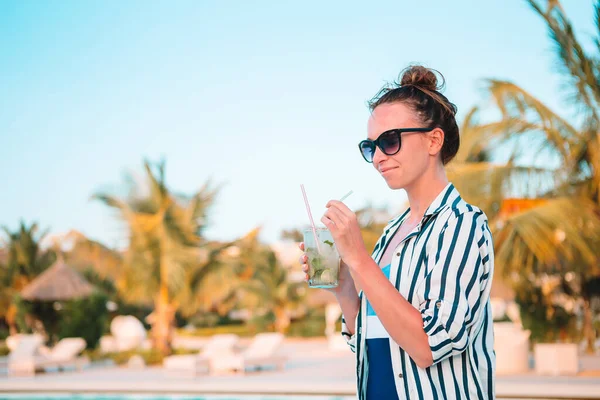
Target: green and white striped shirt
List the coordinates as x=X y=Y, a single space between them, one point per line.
x=444 y=268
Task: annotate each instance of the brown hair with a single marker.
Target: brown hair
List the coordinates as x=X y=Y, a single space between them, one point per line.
x=419 y=89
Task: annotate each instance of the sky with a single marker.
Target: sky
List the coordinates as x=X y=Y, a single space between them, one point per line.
x=256 y=97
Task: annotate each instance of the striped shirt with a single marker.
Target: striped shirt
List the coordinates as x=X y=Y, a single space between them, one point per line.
x=444 y=268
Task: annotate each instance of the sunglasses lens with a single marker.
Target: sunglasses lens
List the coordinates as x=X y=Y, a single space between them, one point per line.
x=390 y=143
x=367 y=149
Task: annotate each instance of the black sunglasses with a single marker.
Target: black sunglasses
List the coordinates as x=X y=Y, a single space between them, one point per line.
x=389 y=142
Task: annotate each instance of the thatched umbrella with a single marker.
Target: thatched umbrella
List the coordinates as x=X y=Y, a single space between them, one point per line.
x=58 y=283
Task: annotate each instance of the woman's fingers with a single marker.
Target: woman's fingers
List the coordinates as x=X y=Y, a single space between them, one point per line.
x=340 y=206
x=304 y=261
x=336 y=216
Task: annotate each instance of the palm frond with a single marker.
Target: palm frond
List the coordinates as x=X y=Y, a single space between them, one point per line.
x=487 y=184
x=597 y=21
x=213 y=289
x=580 y=68
x=562 y=233
x=200 y=203
x=112 y=201
x=208 y=266
x=594 y=164
x=158 y=189
x=469 y=138
x=517 y=104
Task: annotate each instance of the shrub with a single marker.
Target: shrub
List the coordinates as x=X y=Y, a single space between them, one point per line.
x=150 y=356
x=4 y=350
x=240 y=330
x=312 y=325
x=86 y=318
x=547 y=322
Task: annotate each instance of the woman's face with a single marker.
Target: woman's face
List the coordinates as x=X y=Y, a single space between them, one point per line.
x=404 y=168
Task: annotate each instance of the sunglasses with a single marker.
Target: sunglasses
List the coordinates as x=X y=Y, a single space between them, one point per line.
x=389 y=142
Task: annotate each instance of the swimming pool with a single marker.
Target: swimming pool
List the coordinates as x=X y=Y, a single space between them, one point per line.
x=99 y=396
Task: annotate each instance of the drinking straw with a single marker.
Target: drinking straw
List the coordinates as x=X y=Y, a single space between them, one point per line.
x=312 y=222
x=346 y=195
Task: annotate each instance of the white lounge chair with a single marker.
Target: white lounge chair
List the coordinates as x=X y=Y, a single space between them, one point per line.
x=204 y=362
x=23 y=348
x=26 y=359
x=263 y=351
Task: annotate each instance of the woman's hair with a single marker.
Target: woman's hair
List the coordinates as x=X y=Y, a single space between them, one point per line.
x=419 y=89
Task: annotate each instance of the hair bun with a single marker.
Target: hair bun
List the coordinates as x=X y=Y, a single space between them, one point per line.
x=426 y=78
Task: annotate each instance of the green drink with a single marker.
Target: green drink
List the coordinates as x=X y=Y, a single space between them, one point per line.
x=323 y=266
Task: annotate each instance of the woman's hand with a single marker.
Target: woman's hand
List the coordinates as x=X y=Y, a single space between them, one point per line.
x=343 y=225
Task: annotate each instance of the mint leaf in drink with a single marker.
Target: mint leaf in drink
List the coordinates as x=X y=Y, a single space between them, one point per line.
x=315 y=267
x=329 y=242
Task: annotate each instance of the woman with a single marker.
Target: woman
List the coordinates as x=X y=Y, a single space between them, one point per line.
x=421 y=327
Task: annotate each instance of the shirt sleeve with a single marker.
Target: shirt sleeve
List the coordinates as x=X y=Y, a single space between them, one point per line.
x=456 y=289
x=350 y=338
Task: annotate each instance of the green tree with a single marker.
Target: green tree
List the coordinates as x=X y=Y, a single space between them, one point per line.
x=24 y=261
x=265 y=284
x=553 y=161
x=168 y=257
x=294 y=235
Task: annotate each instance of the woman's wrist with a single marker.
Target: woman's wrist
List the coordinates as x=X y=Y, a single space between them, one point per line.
x=347 y=287
x=359 y=263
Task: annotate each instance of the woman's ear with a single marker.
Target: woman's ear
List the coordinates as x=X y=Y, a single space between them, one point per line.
x=436 y=141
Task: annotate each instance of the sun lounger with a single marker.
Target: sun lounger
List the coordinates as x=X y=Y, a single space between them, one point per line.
x=27 y=360
x=263 y=351
x=204 y=362
x=23 y=348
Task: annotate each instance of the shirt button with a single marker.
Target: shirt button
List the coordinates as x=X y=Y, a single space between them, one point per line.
x=398 y=254
x=400 y=375
x=438 y=304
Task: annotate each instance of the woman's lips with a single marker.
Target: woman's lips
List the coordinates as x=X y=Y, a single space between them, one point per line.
x=386 y=170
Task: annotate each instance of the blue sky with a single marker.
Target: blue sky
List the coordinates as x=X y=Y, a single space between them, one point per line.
x=256 y=96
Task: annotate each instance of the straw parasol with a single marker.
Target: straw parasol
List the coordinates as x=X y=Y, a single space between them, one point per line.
x=58 y=283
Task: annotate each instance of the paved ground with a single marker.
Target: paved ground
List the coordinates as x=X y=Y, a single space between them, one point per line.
x=311 y=369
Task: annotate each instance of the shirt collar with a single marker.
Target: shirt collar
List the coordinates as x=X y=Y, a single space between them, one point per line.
x=443 y=200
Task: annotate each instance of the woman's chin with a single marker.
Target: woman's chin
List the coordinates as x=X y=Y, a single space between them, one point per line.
x=395 y=184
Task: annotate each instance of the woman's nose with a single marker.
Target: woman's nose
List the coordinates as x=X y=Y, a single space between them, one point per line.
x=378 y=157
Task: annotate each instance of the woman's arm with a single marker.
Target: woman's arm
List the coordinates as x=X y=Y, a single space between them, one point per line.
x=401 y=320
x=456 y=286
x=349 y=302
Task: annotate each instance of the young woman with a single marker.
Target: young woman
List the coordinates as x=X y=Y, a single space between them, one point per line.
x=421 y=326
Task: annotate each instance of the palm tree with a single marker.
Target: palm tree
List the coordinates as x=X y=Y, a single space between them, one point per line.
x=25 y=260
x=265 y=284
x=168 y=257
x=551 y=178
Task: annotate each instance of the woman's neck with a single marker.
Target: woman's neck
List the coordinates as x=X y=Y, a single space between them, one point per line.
x=424 y=191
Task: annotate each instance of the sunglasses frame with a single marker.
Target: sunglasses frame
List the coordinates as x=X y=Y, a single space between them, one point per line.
x=398 y=131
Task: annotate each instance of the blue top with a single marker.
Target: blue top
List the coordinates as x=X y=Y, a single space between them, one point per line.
x=381 y=382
